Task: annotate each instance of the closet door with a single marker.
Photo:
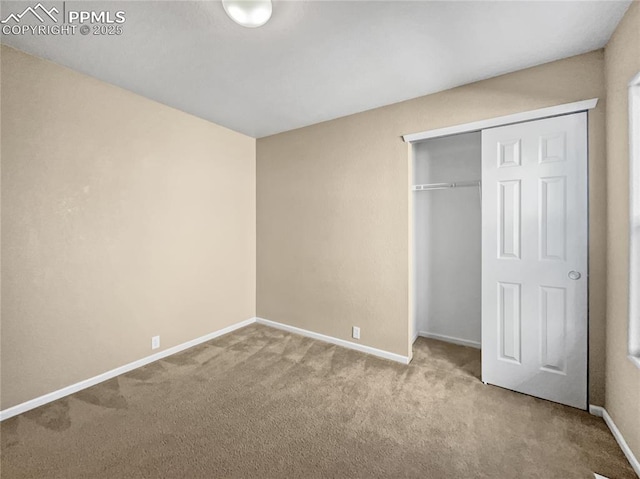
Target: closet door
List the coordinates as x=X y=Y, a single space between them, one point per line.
x=534 y=258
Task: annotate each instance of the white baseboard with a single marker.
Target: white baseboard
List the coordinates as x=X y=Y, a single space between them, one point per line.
x=602 y=412
x=79 y=386
x=60 y=393
x=338 y=342
x=450 y=339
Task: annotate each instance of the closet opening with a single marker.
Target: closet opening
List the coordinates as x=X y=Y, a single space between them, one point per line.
x=447 y=242
x=499 y=251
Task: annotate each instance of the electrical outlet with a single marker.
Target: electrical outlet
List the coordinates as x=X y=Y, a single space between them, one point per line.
x=155 y=342
x=356 y=332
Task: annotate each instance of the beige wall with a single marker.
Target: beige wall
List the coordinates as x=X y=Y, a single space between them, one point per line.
x=622 y=62
x=333 y=206
x=121 y=219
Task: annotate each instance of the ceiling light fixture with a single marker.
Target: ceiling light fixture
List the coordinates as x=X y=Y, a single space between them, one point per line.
x=248 y=13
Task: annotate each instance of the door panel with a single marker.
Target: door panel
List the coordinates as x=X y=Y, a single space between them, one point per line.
x=553 y=324
x=509 y=219
x=534 y=258
x=553 y=218
x=510 y=318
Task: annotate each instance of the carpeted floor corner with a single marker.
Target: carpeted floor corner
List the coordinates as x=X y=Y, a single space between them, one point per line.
x=263 y=403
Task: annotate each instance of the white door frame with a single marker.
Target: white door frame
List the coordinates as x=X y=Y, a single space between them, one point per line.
x=410 y=139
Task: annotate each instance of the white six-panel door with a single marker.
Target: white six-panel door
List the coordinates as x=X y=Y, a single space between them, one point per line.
x=534 y=258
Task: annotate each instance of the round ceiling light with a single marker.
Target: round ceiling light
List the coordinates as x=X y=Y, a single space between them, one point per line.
x=248 y=13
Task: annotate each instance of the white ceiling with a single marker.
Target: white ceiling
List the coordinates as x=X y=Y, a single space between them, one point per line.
x=315 y=61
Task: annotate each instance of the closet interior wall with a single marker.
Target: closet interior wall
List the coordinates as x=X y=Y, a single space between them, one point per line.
x=447 y=239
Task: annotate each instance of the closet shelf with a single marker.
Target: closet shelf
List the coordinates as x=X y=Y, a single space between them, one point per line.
x=442 y=186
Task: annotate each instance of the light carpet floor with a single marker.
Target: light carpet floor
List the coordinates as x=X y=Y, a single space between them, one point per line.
x=262 y=403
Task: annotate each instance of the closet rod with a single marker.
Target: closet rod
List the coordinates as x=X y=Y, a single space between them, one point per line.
x=442 y=186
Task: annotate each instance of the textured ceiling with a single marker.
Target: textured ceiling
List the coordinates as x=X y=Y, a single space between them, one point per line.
x=315 y=61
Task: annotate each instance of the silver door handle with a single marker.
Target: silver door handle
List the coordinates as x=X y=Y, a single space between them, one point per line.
x=574 y=275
